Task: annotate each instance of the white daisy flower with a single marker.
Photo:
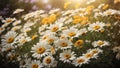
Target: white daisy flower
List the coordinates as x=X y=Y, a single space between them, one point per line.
x=54 y=11
x=40 y=50
x=16 y=28
x=89 y=55
x=97 y=14
x=100 y=43
x=26 y=29
x=2 y=29
x=18 y=11
x=48 y=35
x=71 y=32
x=11 y=55
x=42 y=28
x=49 y=61
x=83 y=31
x=34 y=64
x=110 y=12
x=33 y=14
x=68 y=21
x=7 y=48
x=28 y=24
x=8 y=20
x=44 y=37
x=98 y=26
x=55 y=27
x=5 y=25
x=92 y=53
x=96 y=51
x=47 y=32
x=9 y=39
x=116 y=49
x=63 y=36
x=67 y=12
x=100 y=6
x=62 y=19
x=51 y=39
x=21 y=39
x=23 y=63
x=90 y=1
x=63 y=43
x=16 y=22
x=67 y=56
x=80 y=60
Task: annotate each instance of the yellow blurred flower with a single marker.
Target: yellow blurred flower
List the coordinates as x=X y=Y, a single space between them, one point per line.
x=52 y=18
x=45 y=20
x=76 y=21
x=34 y=36
x=84 y=22
x=89 y=9
x=77 y=5
x=79 y=43
x=76 y=16
x=116 y=1
x=66 y=4
x=105 y=6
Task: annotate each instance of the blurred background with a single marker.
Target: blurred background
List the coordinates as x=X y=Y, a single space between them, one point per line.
x=8 y=6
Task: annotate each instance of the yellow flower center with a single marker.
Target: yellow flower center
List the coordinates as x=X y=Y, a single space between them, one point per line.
x=62 y=37
x=41 y=50
x=63 y=44
x=96 y=27
x=95 y=51
x=48 y=60
x=79 y=43
x=89 y=55
x=8 y=49
x=10 y=40
x=34 y=36
x=35 y=66
x=72 y=34
x=80 y=61
x=12 y=57
x=45 y=37
x=50 y=41
x=1 y=28
x=100 y=43
x=102 y=30
x=67 y=56
x=8 y=20
x=54 y=29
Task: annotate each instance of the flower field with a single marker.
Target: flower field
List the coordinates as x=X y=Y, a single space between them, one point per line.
x=86 y=36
